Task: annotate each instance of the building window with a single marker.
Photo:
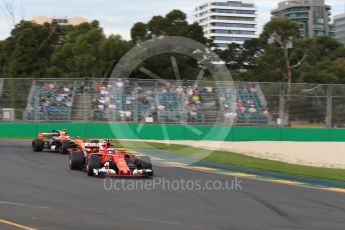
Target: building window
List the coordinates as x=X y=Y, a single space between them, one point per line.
x=240 y=25
x=235 y=4
x=233 y=18
x=60 y=21
x=234 y=32
x=222 y=45
x=234 y=11
x=232 y=39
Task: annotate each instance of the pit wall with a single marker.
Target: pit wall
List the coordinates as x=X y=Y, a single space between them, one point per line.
x=173 y=132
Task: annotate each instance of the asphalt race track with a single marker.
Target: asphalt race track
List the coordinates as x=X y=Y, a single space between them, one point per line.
x=39 y=191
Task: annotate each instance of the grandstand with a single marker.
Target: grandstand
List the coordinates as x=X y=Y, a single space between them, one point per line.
x=174 y=103
x=146 y=101
x=51 y=100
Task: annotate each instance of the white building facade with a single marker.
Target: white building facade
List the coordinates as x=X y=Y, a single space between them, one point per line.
x=339 y=22
x=227 y=21
x=73 y=21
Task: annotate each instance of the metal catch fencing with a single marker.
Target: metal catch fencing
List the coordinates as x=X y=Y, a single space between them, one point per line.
x=175 y=102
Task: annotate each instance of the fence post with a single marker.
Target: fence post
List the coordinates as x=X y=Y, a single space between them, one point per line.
x=282 y=115
x=36 y=101
x=136 y=104
x=84 y=97
x=329 y=111
x=156 y=90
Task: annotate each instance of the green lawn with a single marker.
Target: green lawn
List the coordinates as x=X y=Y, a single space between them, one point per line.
x=243 y=160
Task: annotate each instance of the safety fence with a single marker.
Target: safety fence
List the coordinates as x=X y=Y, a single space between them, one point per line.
x=172 y=102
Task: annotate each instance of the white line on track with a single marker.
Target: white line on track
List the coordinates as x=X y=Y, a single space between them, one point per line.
x=23 y=205
x=16 y=225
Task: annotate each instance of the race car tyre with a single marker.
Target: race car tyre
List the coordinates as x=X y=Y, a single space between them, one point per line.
x=145 y=163
x=76 y=160
x=93 y=163
x=63 y=149
x=37 y=145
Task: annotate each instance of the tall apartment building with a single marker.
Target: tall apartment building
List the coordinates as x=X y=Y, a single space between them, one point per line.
x=74 y=21
x=339 y=22
x=227 y=21
x=313 y=16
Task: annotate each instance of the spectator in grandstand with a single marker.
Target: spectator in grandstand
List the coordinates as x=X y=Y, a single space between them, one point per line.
x=180 y=90
x=112 y=107
x=51 y=85
x=252 y=109
x=193 y=115
x=103 y=91
x=253 y=89
x=46 y=109
x=265 y=112
x=99 y=115
x=244 y=89
x=101 y=106
x=230 y=116
x=66 y=89
x=126 y=115
x=127 y=87
x=60 y=90
x=196 y=98
x=189 y=91
x=161 y=107
x=59 y=98
x=154 y=113
x=240 y=106
x=29 y=109
x=71 y=87
x=41 y=99
x=46 y=85
x=81 y=89
x=40 y=111
x=250 y=102
x=98 y=87
x=119 y=83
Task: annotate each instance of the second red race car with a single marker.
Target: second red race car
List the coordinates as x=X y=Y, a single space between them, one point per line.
x=103 y=160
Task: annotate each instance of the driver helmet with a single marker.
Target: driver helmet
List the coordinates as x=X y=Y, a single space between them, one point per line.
x=64 y=133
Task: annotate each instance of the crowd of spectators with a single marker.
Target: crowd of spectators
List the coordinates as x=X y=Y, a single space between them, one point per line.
x=127 y=101
x=123 y=101
x=150 y=102
x=51 y=102
x=247 y=108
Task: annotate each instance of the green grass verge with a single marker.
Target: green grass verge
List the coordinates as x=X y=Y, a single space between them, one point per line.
x=231 y=158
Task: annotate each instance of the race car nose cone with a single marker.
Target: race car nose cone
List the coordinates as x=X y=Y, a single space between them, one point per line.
x=125 y=172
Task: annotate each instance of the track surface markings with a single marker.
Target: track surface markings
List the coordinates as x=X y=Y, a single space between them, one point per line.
x=10 y=223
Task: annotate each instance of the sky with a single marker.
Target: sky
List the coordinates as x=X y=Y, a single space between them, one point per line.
x=118 y=16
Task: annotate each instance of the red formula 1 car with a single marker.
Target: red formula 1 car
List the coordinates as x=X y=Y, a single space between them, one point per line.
x=103 y=160
x=56 y=141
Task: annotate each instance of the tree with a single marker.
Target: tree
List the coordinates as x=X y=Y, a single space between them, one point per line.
x=87 y=52
x=172 y=24
x=284 y=53
x=76 y=56
x=139 y=32
x=241 y=60
x=324 y=63
x=111 y=51
x=283 y=33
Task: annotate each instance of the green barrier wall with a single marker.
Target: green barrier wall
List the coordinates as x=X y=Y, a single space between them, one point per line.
x=172 y=132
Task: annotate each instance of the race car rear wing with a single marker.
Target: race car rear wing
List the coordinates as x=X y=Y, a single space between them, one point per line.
x=54 y=133
x=43 y=135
